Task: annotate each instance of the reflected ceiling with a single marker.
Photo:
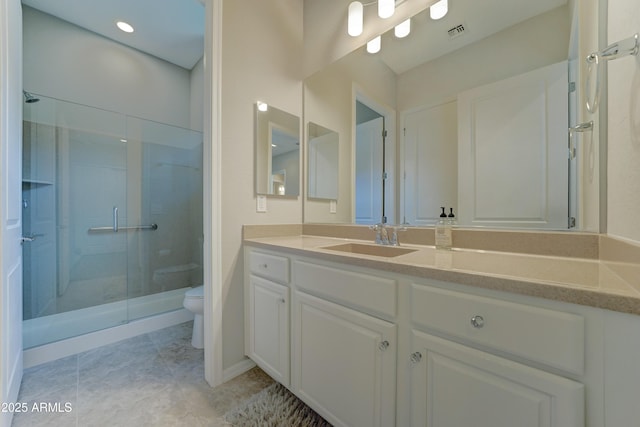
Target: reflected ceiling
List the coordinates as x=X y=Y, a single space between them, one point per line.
x=430 y=39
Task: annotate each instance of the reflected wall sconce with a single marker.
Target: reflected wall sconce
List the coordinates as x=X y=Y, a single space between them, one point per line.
x=262 y=106
x=439 y=10
x=373 y=46
x=386 y=9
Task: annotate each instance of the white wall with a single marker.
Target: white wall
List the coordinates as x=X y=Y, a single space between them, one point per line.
x=67 y=62
x=261 y=60
x=623 y=178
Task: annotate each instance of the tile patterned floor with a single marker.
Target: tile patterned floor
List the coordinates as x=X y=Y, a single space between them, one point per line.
x=156 y=379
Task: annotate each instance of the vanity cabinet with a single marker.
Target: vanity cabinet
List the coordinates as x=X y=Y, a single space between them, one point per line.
x=344 y=363
x=447 y=375
x=456 y=385
x=344 y=343
x=372 y=347
x=267 y=314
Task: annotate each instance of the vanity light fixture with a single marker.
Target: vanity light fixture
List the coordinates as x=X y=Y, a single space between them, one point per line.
x=355 y=14
x=124 y=26
x=262 y=106
x=439 y=10
x=386 y=8
x=355 y=19
x=373 y=46
x=403 y=29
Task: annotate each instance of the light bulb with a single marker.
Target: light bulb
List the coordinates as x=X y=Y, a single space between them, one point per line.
x=403 y=29
x=373 y=46
x=439 y=9
x=124 y=26
x=386 y=8
x=355 y=19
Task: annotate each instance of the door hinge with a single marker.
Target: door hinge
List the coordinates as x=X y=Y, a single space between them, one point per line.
x=572 y=222
x=384 y=133
x=385 y=175
x=572 y=87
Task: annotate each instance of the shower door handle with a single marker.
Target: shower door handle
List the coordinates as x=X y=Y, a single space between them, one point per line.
x=115 y=219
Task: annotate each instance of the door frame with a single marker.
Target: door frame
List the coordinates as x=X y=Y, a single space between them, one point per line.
x=212 y=197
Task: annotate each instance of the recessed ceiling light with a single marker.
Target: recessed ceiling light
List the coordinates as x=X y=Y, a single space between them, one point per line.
x=124 y=27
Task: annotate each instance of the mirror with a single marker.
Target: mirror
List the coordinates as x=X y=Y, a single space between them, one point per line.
x=430 y=82
x=277 y=145
x=322 y=144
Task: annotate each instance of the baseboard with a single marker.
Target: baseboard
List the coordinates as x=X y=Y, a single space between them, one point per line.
x=68 y=347
x=237 y=369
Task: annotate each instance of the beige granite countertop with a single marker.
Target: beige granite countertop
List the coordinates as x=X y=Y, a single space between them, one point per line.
x=612 y=285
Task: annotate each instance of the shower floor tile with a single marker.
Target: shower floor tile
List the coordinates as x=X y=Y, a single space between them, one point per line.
x=156 y=379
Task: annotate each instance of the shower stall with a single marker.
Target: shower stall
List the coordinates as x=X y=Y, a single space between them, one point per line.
x=112 y=218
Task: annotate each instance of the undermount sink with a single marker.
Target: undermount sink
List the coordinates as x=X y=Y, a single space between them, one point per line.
x=364 y=249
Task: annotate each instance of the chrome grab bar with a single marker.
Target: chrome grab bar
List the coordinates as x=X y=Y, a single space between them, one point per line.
x=135 y=227
x=115 y=227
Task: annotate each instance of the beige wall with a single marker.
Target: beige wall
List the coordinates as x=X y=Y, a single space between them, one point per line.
x=546 y=38
x=623 y=176
x=329 y=102
x=261 y=60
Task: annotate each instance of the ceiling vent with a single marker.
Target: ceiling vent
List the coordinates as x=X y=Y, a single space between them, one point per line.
x=456 y=31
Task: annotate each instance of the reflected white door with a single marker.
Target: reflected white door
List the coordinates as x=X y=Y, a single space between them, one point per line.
x=430 y=163
x=512 y=138
x=369 y=171
x=10 y=206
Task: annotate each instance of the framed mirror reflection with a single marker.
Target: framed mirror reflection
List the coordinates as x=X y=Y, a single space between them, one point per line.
x=481 y=118
x=277 y=148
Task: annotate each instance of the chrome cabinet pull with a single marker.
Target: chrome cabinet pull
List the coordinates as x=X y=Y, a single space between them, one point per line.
x=477 y=321
x=415 y=357
x=383 y=345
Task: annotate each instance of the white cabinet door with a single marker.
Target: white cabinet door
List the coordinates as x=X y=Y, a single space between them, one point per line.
x=269 y=327
x=344 y=363
x=455 y=385
x=512 y=151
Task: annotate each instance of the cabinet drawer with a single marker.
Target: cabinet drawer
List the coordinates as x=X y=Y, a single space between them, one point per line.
x=269 y=266
x=371 y=294
x=541 y=335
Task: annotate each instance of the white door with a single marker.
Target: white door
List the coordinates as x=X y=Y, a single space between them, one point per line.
x=10 y=206
x=369 y=170
x=430 y=163
x=269 y=329
x=455 y=385
x=344 y=363
x=512 y=138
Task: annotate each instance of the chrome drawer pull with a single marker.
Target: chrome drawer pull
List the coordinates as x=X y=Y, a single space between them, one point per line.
x=477 y=321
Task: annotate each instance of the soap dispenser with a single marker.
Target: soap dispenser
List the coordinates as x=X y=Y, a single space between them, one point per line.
x=443 y=231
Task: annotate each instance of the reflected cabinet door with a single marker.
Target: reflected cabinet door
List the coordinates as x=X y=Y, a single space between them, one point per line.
x=455 y=385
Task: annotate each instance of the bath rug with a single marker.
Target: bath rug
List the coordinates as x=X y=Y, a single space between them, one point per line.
x=275 y=406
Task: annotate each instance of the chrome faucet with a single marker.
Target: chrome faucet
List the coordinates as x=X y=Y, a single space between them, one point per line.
x=387 y=234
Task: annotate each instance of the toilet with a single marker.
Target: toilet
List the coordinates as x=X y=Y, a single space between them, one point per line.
x=193 y=301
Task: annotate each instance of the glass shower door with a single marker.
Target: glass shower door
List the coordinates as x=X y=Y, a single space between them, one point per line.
x=74 y=191
x=165 y=191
